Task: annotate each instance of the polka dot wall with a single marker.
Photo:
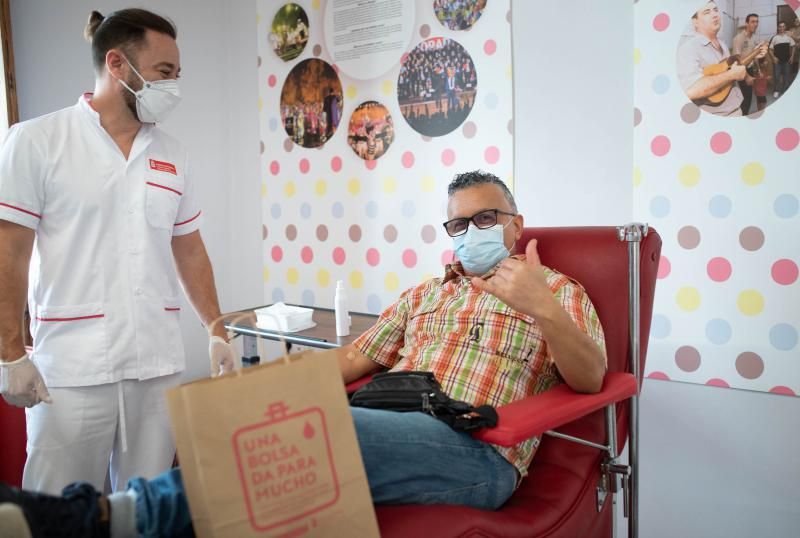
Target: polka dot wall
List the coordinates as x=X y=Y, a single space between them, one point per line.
x=724 y=193
x=329 y=214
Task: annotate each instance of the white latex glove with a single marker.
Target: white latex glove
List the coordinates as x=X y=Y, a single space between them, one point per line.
x=21 y=383
x=224 y=357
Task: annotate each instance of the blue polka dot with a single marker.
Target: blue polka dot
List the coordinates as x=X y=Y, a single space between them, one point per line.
x=661 y=84
x=659 y=206
x=373 y=304
x=408 y=209
x=372 y=209
x=275 y=211
x=718 y=331
x=661 y=326
x=337 y=210
x=491 y=101
x=305 y=210
x=783 y=336
x=308 y=297
x=277 y=295
x=273 y=124
x=720 y=206
x=786 y=206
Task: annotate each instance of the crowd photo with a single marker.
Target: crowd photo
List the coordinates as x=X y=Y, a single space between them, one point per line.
x=458 y=14
x=289 y=32
x=436 y=86
x=311 y=103
x=371 y=130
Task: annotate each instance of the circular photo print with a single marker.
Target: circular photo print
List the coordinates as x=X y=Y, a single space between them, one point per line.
x=458 y=14
x=738 y=63
x=311 y=103
x=436 y=86
x=289 y=33
x=371 y=130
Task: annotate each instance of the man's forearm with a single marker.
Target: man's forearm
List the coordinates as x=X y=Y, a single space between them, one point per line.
x=16 y=243
x=709 y=85
x=197 y=278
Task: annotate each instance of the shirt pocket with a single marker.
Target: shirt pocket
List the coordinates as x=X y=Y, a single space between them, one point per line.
x=510 y=335
x=163 y=197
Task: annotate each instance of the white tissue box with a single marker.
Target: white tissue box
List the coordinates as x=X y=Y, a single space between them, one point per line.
x=284 y=318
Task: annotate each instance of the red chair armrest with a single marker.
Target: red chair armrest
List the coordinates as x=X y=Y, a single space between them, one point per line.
x=537 y=414
x=355 y=385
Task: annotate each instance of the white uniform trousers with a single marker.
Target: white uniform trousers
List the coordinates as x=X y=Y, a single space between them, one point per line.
x=118 y=429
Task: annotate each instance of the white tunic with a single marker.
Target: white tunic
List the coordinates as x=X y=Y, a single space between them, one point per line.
x=103 y=291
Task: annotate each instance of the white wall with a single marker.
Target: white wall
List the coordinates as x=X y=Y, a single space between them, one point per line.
x=715 y=462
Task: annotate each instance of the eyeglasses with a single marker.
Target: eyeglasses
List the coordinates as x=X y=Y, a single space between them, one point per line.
x=484 y=219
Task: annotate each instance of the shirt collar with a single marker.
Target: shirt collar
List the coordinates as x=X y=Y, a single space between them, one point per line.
x=455 y=270
x=703 y=39
x=85 y=104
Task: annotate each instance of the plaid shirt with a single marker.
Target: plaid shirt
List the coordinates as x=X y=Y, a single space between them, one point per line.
x=481 y=350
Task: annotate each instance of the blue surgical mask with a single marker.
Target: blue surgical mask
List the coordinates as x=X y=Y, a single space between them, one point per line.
x=480 y=250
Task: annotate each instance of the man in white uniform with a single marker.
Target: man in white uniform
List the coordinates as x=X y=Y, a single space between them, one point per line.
x=98 y=202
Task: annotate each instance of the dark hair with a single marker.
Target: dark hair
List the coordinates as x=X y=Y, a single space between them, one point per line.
x=747 y=19
x=123 y=29
x=479 y=177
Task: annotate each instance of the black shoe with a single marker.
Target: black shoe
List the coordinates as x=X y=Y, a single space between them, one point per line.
x=75 y=514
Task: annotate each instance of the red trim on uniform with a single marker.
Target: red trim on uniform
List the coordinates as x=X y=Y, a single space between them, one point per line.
x=71 y=319
x=188 y=221
x=20 y=209
x=171 y=308
x=179 y=193
x=163 y=166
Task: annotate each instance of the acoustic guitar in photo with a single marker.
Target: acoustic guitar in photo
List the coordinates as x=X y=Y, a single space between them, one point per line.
x=715 y=69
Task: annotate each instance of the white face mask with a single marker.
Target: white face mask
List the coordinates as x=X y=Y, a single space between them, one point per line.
x=156 y=99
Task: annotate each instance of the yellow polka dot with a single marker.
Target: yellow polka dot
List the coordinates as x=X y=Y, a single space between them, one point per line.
x=510 y=183
x=356 y=280
x=637 y=56
x=688 y=298
x=428 y=183
x=391 y=281
x=289 y=189
x=351 y=92
x=321 y=187
x=266 y=274
x=637 y=176
x=509 y=72
x=750 y=302
x=389 y=185
x=258 y=18
x=387 y=88
x=689 y=175
x=260 y=104
x=323 y=278
x=263 y=190
x=314 y=4
x=292 y=275
x=354 y=186
x=753 y=174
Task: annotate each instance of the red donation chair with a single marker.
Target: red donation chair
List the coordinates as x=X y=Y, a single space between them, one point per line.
x=574 y=475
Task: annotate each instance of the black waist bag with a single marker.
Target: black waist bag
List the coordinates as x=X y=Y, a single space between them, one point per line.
x=420 y=391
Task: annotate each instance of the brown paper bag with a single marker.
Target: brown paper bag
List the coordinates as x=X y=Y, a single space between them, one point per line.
x=271 y=451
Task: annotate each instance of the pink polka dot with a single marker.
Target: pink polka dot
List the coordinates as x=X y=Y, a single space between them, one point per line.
x=373 y=257
x=407 y=159
x=719 y=269
x=717 y=382
x=787 y=139
x=307 y=255
x=447 y=257
x=490 y=47
x=338 y=256
x=305 y=166
x=721 y=142
x=271 y=80
x=658 y=375
x=277 y=253
x=448 y=157
x=336 y=164
x=274 y=167
x=784 y=272
x=409 y=258
x=664 y=267
x=371 y=164
x=661 y=22
x=780 y=389
x=660 y=146
x=492 y=154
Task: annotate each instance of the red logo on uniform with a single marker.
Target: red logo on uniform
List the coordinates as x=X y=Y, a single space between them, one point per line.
x=162 y=166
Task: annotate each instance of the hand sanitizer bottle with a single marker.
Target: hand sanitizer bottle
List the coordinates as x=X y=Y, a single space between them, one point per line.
x=340 y=310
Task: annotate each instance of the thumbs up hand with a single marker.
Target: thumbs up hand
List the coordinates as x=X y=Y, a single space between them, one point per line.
x=521 y=285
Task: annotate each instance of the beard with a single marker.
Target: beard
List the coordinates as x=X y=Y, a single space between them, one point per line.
x=130 y=99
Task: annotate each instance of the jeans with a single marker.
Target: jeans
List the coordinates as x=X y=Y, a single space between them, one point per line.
x=781 y=77
x=410 y=458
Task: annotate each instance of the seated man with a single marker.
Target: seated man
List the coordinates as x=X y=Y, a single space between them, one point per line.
x=496 y=328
